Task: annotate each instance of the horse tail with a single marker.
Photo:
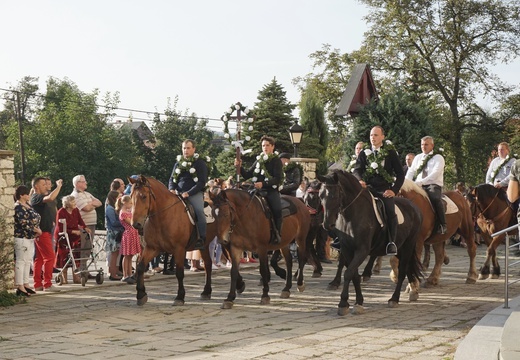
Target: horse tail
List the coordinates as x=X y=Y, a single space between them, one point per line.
x=414 y=269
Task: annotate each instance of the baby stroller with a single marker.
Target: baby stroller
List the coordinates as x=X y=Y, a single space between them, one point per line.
x=89 y=259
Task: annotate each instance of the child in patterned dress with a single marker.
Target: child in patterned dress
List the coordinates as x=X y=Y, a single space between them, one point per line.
x=130 y=242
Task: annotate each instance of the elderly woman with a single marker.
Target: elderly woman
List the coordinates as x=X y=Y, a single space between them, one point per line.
x=26 y=228
x=75 y=224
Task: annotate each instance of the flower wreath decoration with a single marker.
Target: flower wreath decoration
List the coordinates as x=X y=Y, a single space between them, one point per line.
x=376 y=162
x=186 y=164
x=425 y=161
x=261 y=169
x=500 y=166
x=227 y=117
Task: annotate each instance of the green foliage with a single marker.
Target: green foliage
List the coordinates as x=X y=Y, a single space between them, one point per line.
x=225 y=164
x=273 y=118
x=6 y=254
x=404 y=120
x=10 y=299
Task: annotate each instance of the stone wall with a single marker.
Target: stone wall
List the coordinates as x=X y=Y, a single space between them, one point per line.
x=7 y=188
x=309 y=166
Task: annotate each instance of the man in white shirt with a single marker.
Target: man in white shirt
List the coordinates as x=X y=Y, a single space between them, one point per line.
x=499 y=169
x=86 y=204
x=427 y=170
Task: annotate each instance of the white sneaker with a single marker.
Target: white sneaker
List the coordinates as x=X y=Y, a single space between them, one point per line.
x=214 y=267
x=219 y=264
x=228 y=265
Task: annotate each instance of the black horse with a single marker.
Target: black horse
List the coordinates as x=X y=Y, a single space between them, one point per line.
x=349 y=212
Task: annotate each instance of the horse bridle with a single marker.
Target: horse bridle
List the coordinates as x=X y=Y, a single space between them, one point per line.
x=317 y=211
x=148 y=215
x=232 y=210
x=487 y=207
x=342 y=210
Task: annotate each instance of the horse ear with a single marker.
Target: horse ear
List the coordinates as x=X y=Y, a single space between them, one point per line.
x=335 y=177
x=131 y=180
x=321 y=178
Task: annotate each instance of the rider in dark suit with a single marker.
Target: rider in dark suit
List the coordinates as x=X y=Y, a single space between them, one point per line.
x=379 y=168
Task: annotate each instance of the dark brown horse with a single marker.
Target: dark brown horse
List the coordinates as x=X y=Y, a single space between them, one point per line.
x=317 y=233
x=459 y=222
x=349 y=213
x=493 y=213
x=162 y=217
x=242 y=225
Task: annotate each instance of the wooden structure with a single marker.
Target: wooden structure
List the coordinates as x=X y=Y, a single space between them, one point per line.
x=360 y=90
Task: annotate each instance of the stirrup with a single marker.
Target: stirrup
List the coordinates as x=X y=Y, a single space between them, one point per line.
x=391 y=248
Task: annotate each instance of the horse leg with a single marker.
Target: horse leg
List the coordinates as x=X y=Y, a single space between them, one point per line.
x=471 y=247
x=142 y=266
x=496 y=266
x=311 y=250
x=378 y=265
x=208 y=263
x=286 y=291
x=485 y=269
x=358 y=308
x=235 y=255
x=302 y=260
x=264 y=271
x=394 y=273
x=336 y=282
x=403 y=267
x=179 y=257
x=426 y=258
x=367 y=272
x=350 y=274
x=274 y=263
x=433 y=279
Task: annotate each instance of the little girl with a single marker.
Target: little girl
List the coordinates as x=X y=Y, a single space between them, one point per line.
x=130 y=242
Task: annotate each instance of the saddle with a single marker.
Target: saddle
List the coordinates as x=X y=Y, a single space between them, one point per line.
x=288 y=207
x=193 y=218
x=379 y=211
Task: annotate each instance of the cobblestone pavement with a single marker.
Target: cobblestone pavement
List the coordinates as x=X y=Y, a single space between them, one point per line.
x=104 y=322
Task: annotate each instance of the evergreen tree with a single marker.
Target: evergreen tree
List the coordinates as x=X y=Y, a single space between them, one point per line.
x=273 y=118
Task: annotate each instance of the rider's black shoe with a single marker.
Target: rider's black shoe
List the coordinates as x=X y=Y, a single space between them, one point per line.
x=276 y=239
x=391 y=249
x=442 y=229
x=335 y=244
x=199 y=244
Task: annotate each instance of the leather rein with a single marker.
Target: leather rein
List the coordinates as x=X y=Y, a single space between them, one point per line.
x=496 y=218
x=148 y=214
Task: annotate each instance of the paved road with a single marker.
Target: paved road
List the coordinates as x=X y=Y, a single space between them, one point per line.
x=104 y=322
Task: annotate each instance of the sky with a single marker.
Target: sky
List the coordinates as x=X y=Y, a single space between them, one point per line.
x=209 y=54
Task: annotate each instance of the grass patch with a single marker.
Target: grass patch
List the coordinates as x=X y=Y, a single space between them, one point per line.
x=10 y=299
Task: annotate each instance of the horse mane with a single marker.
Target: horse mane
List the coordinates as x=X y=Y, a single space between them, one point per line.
x=488 y=190
x=346 y=179
x=409 y=185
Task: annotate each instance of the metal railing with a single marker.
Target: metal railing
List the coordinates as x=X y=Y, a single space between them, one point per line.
x=507 y=264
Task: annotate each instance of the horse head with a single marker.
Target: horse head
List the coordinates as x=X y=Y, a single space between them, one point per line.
x=330 y=197
x=224 y=213
x=142 y=196
x=311 y=198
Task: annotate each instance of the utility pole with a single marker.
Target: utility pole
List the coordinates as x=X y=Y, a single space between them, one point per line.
x=20 y=133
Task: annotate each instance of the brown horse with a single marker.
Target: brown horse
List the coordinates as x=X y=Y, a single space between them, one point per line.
x=493 y=213
x=242 y=225
x=459 y=222
x=162 y=216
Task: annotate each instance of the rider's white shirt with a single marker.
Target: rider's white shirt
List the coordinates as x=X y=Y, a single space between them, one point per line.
x=503 y=174
x=434 y=170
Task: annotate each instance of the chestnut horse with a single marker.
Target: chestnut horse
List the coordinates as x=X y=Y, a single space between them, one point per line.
x=162 y=216
x=459 y=222
x=242 y=225
x=349 y=210
x=490 y=207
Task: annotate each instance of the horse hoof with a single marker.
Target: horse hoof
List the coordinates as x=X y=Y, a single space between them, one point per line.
x=342 y=311
x=471 y=281
x=407 y=289
x=357 y=310
x=393 y=277
x=495 y=276
x=205 y=296
x=332 y=287
x=265 y=301
x=316 y=274
x=285 y=294
x=241 y=289
x=413 y=296
x=366 y=279
x=483 y=277
x=301 y=288
x=446 y=260
x=392 y=304
x=376 y=271
x=226 y=305
x=178 y=302
x=142 y=300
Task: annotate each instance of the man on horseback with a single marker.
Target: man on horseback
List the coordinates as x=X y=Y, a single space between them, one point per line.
x=499 y=169
x=190 y=185
x=427 y=170
x=266 y=174
x=376 y=168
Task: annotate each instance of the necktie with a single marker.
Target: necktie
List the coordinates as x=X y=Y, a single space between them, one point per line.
x=375 y=152
x=425 y=171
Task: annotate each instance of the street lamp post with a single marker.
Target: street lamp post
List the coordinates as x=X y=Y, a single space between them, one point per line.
x=296 y=134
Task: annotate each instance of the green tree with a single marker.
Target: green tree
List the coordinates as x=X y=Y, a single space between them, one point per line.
x=444 y=49
x=273 y=117
x=316 y=137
